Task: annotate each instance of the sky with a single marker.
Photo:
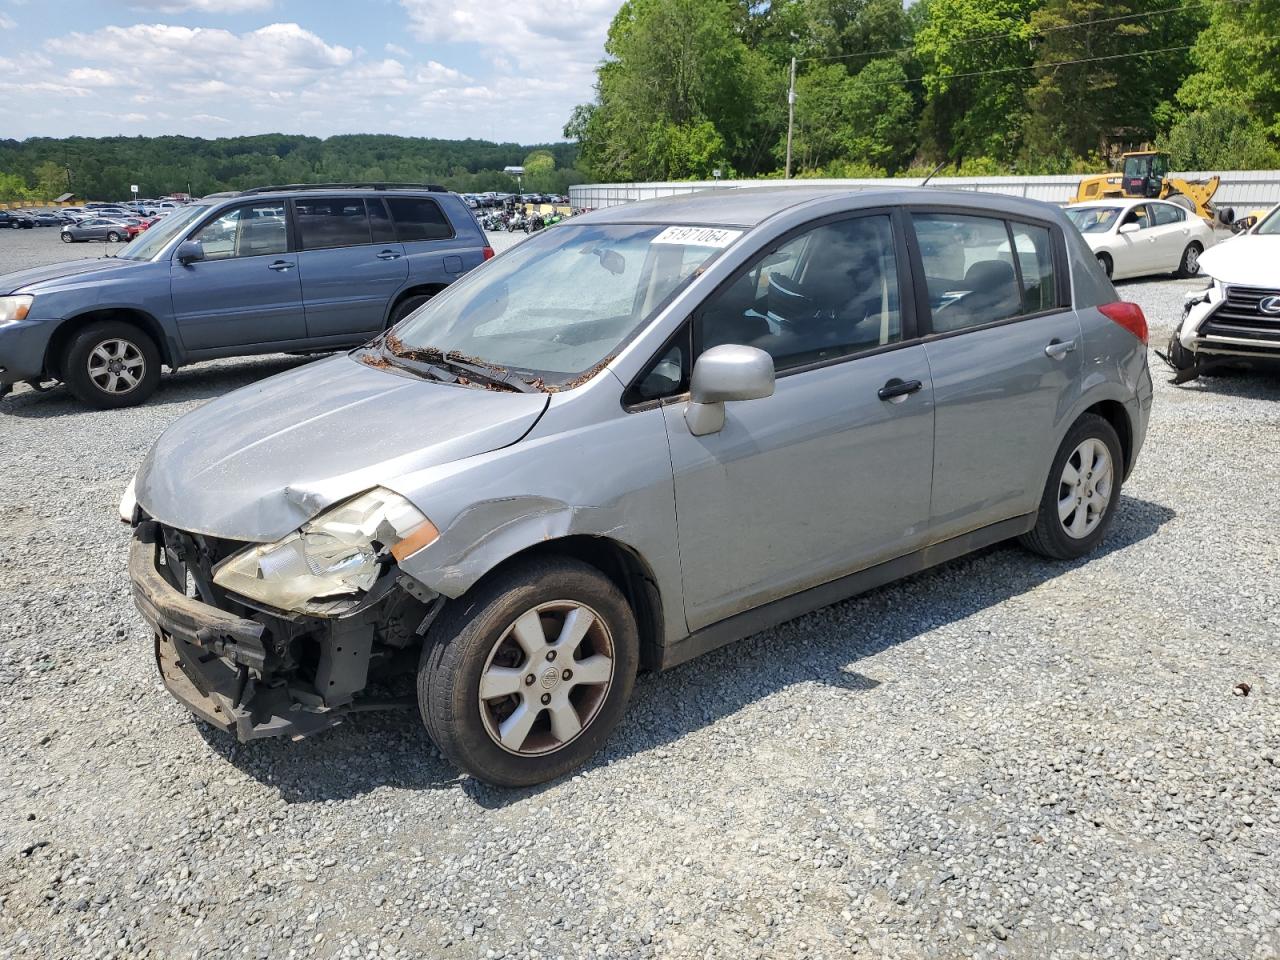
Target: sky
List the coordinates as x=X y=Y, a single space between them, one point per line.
x=506 y=70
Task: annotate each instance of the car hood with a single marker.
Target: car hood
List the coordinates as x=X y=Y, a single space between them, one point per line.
x=47 y=276
x=261 y=461
x=1247 y=260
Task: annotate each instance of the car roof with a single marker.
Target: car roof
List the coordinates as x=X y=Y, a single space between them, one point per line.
x=750 y=206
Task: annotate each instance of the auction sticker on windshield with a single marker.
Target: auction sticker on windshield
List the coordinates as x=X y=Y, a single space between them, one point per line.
x=697 y=236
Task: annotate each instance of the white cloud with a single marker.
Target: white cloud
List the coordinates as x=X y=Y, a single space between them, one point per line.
x=6 y=23
x=521 y=84
x=202 y=6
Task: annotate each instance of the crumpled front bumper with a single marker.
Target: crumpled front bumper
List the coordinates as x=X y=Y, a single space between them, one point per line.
x=1213 y=325
x=213 y=661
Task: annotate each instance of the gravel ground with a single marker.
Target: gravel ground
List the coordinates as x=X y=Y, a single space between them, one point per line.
x=1003 y=757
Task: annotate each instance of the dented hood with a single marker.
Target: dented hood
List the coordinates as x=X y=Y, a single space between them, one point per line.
x=261 y=461
x=1247 y=260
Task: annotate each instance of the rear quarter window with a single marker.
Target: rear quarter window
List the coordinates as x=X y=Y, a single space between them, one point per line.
x=418 y=218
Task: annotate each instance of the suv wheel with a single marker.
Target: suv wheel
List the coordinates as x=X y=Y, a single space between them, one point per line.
x=1082 y=493
x=406 y=307
x=525 y=681
x=111 y=364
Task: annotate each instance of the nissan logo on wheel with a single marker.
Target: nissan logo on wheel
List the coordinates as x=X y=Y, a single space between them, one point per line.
x=1270 y=305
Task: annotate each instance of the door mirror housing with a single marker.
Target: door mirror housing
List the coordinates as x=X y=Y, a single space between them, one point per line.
x=725 y=373
x=189 y=252
x=1129 y=228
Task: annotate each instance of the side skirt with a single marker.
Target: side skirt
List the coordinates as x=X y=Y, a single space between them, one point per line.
x=788 y=608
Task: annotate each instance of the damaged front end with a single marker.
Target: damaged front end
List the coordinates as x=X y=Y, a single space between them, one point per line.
x=1225 y=323
x=256 y=670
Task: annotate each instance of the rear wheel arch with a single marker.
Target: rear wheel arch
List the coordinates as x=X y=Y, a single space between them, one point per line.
x=1114 y=413
x=424 y=290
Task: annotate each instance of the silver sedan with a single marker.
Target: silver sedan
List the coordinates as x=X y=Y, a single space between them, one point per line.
x=95 y=228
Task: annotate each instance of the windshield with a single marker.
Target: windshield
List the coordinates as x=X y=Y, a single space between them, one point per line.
x=1093 y=219
x=154 y=240
x=1270 y=226
x=559 y=305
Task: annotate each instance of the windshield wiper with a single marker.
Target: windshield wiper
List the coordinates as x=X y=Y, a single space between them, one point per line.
x=464 y=371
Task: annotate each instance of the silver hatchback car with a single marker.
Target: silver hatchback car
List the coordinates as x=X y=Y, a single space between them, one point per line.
x=643 y=434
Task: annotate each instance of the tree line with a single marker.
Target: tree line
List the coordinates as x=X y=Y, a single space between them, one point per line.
x=105 y=167
x=883 y=88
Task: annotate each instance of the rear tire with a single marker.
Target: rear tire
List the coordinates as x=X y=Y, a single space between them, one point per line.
x=111 y=364
x=406 y=307
x=1082 y=492
x=487 y=637
x=1190 y=263
x=1104 y=261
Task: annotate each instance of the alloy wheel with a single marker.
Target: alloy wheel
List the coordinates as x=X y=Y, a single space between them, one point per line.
x=1192 y=261
x=116 y=366
x=546 y=678
x=1084 y=491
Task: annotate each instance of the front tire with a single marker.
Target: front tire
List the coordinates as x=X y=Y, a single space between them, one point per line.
x=68 y=238
x=1082 y=493
x=524 y=680
x=1189 y=266
x=1106 y=263
x=111 y=364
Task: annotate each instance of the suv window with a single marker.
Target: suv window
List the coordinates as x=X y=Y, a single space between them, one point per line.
x=829 y=292
x=327 y=222
x=252 y=230
x=1167 y=213
x=418 y=218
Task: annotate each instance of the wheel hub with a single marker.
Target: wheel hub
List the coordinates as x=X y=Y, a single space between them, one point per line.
x=546 y=678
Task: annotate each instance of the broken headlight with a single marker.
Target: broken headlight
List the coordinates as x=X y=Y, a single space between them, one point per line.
x=339 y=553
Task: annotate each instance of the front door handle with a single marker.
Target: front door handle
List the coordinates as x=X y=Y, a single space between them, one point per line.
x=896 y=390
x=388 y=255
x=1057 y=349
x=280 y=265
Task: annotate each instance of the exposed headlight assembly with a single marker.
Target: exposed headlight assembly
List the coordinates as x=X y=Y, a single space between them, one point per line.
x=339 y=553
x=13 y=309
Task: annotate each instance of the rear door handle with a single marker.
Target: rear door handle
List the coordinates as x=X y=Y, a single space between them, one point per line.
x=280 y=265
x=896 y=390
x=1057 y=349
x=388 y=255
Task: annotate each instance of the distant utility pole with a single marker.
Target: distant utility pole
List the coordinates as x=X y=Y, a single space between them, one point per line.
x=791 y=113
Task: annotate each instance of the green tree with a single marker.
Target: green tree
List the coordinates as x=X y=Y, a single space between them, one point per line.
x=674 y=65
x=1224 y=137
x=1237 y=62
x=970 y=108
x=864 y=120
x=1081 y=101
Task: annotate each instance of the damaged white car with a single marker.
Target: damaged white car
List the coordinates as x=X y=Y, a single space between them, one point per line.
x=1236 y=318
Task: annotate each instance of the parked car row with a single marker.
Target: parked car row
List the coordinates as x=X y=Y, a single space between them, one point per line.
x=489 y=200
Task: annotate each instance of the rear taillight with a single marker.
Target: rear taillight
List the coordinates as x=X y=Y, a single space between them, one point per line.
x=1128 y=315
x=488 y=253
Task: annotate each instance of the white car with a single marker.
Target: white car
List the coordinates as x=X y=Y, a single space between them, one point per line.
x=1134 y=238
x=1237 y=317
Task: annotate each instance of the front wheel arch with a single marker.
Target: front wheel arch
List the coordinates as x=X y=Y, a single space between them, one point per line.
x=72 y=325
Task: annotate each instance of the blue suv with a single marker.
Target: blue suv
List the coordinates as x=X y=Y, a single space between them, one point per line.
x=299 y=268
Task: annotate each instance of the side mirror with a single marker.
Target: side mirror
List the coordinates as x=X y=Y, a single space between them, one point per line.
x=724 y=373
x=1129 y=228
x=190 y=251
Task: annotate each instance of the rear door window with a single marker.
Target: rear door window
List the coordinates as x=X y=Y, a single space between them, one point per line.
x=327 y=222
x=1167 y=213
x=418 y=218
x=969 y=269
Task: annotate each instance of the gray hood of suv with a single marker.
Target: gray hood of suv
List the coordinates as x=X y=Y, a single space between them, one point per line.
x=261 y=461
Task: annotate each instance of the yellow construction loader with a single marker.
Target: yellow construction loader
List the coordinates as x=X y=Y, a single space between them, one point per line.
x=1146 y=174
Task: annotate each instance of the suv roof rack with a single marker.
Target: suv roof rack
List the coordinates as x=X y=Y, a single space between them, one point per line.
x=431 y=187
